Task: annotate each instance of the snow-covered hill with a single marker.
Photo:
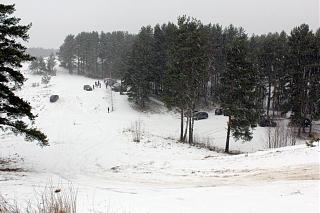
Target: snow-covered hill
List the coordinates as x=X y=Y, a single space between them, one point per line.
x=94 y=150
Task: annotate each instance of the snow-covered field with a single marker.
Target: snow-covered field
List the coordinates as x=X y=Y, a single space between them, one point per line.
x=94 y=151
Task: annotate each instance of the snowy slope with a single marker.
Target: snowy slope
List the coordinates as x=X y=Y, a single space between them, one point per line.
x=94 y=150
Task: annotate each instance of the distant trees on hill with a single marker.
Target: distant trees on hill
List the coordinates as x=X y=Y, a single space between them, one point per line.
x=190 y=65
x=41 y=52
x=41 y=66
x=96 y=55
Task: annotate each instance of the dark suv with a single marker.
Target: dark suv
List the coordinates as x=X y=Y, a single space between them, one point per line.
x=87 y=87
x=200 y=115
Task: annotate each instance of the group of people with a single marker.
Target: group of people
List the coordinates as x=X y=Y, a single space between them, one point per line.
x=96 y=84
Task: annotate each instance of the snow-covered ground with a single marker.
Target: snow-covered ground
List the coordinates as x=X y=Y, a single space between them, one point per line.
x=94 y=151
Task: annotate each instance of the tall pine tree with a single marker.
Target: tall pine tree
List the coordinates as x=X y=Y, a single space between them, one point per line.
x=13 y=108
x=140 y=67
x=238 y=89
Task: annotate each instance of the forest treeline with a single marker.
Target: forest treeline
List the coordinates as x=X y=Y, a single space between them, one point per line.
x=40 y=52
x=190 y=65
x=96 y=55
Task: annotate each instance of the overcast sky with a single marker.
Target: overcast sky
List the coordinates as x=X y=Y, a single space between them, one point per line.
x=52 y=20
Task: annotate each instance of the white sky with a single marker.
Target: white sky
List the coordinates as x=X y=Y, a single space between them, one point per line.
x=53 y=19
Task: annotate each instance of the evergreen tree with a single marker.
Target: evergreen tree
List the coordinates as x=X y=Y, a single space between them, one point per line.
x=315 y=94
x=301 y=43
x=238 y=89
x=214 y=51
x=268 y=58
x=92 y=55
x=67 y=53
x=160 y=58
x=34 y=67
x=38 y=66
x=187 y=68
x=12 y=108
x=140 y=67
x=42 y=65
x=51 y=62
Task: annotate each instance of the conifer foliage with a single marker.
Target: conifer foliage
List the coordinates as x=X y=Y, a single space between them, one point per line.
x=238 y=89
x=140 y=66
x=12 y=54
x=186 y=68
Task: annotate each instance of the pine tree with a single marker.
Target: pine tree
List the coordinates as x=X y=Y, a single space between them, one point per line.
x=268 y=58
x=67 y=53
x=34 y=66
x=301 y=43
x=214 y=49
x=238 y=89
x=13 y=108
x=316 y=88
x=140 y=67
x=42 y=65
x=187 y=69
x=51 y=62
x=160 y=58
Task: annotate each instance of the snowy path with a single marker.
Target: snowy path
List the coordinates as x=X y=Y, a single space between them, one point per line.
x=94 y=150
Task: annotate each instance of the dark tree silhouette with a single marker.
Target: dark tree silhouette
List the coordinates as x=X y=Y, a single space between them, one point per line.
x=12 y=54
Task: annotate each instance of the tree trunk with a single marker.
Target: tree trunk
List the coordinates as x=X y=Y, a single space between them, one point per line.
x=186 y=130
x=78 y=65
x=299 y=131
x=190 y=128
x=228 y=136
x=269 y=94
x=273 y=100
x=310 y=129
x=181 y=127
x=191 y=124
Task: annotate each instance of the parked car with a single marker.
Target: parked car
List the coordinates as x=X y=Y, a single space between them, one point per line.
x=218 y=111
x=266 y=122
x=87 y=87
x=54 y=98
x=116 y=87
x=109 y=81
x=200 y=115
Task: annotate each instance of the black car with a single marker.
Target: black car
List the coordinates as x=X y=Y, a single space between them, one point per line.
x=116 y=87
x=200 y=115
x=54 y=98
x=87 y=87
